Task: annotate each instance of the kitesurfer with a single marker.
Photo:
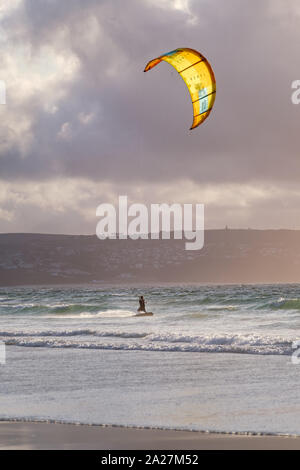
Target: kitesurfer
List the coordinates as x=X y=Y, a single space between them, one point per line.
x=142 y=304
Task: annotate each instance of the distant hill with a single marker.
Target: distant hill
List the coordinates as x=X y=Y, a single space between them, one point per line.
x=228 y=256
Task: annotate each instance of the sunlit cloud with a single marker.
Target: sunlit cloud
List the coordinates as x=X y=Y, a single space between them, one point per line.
x=68 y=205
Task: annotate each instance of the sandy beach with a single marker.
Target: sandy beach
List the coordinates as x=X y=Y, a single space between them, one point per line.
x=43 y=436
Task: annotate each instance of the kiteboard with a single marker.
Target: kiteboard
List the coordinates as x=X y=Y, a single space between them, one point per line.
x=144 y=314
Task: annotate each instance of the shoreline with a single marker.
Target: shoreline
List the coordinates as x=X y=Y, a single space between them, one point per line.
x=145 y=284
x=42 y=435
x=117 y=284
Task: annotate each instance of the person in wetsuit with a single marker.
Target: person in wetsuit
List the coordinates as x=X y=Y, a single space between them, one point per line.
x=142 y=304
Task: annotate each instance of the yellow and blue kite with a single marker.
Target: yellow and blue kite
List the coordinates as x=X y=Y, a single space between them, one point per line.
x=198 y=75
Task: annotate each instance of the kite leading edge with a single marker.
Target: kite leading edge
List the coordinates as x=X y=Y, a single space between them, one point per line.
x=198 y=76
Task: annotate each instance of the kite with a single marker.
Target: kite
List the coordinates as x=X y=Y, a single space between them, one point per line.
x=198 y=76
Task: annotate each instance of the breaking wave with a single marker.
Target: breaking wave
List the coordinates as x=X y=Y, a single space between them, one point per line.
x=145 y=341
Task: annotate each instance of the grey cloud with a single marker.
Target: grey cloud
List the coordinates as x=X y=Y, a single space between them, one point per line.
x=253 y=123
x=140 y=129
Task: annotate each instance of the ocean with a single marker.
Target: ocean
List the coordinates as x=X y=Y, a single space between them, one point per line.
x=212 y=358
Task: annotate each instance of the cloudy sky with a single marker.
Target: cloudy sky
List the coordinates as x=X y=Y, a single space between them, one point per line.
x=83 y=123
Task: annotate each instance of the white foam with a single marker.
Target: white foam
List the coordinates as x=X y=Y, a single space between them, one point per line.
x=77 y=332
x=248 y=344
x=100 y=313
x=33 y=419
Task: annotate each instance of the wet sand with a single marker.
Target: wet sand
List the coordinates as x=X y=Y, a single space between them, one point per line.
x=30 y=435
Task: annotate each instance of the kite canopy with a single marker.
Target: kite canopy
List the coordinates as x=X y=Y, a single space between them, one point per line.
x=198 y=76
